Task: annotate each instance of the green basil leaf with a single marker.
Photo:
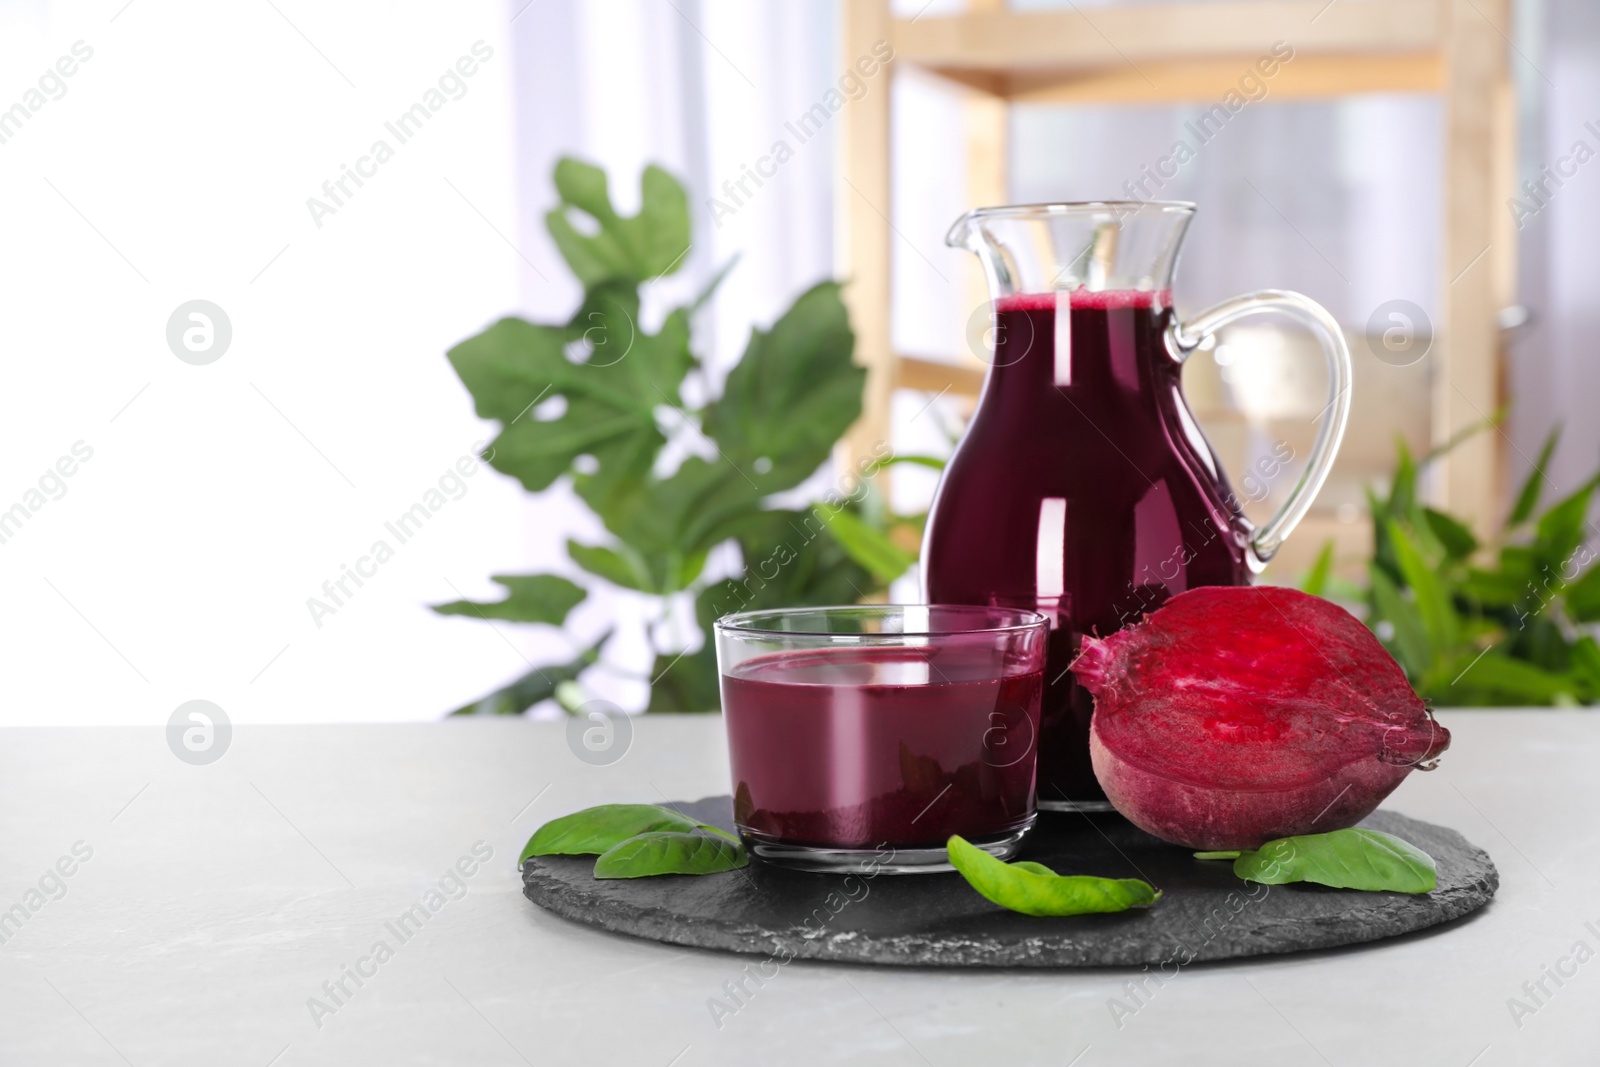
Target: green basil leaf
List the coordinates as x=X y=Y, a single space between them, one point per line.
x=1032 y=889
x=1034 y=868
x=671 y=852
x=1345 y=859
x=1224 y=854
x=596 y=830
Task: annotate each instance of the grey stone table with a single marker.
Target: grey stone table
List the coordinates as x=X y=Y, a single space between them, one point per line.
x=348 y=895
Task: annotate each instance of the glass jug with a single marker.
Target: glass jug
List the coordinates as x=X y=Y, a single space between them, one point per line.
x=1083 y=487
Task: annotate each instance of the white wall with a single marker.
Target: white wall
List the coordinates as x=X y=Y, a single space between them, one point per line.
x=177 y=165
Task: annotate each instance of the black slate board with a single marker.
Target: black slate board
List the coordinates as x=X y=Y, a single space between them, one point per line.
x=937 y=920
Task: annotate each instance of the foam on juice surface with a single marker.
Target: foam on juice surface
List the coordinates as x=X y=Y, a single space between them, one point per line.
x=1100 y=299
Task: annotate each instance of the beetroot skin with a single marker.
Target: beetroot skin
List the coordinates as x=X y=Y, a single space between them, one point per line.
x=1234 y=715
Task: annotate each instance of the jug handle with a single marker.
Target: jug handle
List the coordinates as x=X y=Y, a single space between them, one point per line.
x=1183 y=338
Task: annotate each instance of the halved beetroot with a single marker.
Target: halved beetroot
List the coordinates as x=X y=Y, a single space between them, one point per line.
x=1234 y=715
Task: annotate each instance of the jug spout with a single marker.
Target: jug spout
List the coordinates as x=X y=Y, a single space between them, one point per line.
x=964 y=233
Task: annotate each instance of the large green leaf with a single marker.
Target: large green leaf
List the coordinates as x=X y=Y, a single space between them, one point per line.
x=1498 y=680
x=685 y=513
x=1493 y=588
x=595 y=398
x=1433 y=604
x=1528 y=496
x=686 y=683
x=1453 y=535
x=1410 y=640
x=789 y=560
x=792 y=395
x=619 y=566
x=660 y=574
x=1404 y=506
x=545 y=598
x=1543 y=643
x=1560 y=531
x=1403 y=490
x=616 y=378
x=1583 y=596
x=652 y=243
x=784 y=406
x=1586 y=666
x=1316 y=580
x=870 y=547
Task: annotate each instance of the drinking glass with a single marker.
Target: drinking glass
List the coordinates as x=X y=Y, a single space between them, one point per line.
x=866 y=736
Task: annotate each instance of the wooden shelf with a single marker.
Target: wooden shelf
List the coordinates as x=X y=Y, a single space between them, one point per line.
x=1308 y=77
x=937 y=376
x=1150 y=53
x=1166 y=52
x=1002 y=43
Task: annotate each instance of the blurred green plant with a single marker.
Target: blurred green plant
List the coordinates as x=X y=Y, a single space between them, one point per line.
x=600 y=402
x=1501 y=623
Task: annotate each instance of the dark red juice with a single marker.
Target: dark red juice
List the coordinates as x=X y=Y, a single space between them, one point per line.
x=1083 y=489
x=857 y=748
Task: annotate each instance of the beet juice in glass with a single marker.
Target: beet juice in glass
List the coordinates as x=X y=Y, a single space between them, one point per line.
x=1083 y=487
x=871 y=734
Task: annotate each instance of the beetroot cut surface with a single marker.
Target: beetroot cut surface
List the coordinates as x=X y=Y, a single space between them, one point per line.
x=1235 y=715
